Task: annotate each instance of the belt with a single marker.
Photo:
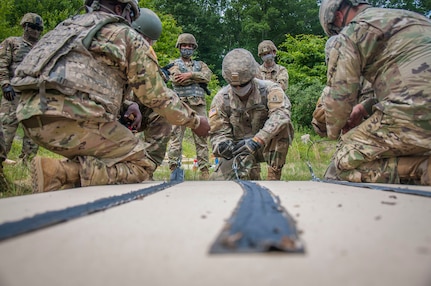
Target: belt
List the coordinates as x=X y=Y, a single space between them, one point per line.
x=39 y=121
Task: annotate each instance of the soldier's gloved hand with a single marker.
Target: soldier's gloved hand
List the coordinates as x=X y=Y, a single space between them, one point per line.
x=134 y=110
x=8 y=92
x=225 y=149
x=247 y=146
x=204 y=127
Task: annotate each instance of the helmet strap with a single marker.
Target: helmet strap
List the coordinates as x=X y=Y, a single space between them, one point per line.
x=126 y=11
x=345 y=16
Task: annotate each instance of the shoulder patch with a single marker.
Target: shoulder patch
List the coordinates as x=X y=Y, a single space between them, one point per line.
x=212 y=112
x=275 y=97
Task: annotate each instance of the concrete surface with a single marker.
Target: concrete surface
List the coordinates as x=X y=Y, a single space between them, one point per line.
x=352 y=236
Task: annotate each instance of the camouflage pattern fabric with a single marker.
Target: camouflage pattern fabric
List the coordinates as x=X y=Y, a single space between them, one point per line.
x=395 y=51
x=266 y=115
x=107 y=151
x=194 y=96
x=201 y=143
x=201 y=74
x=87 y=129
x=369 y=152
x=155 y=134
x=276 y=73
x=366 y=98
x=12 y=52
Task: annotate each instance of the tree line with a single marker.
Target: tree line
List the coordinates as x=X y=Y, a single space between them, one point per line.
x=222 y=25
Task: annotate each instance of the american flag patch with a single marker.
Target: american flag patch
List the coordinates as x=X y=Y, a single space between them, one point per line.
x=213 y=111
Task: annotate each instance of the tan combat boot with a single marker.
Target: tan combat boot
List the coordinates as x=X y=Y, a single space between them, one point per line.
x=49 y=174
x=274 y=174
x=415 y=168
x=204 y=174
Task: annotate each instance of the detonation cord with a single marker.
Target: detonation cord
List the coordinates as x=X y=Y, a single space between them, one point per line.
x=49 y=218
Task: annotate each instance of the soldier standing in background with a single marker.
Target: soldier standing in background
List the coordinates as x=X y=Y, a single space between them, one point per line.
x=73 y=84
x=250 y=122
x=189 y=79
x=269 y=70
x=12 y=52
x=391 y=48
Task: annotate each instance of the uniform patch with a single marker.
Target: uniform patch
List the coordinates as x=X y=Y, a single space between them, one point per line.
x=275 y=97
x=212 y=112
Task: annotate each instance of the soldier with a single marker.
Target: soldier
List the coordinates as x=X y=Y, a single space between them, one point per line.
x=189 y=79
x=12 y=52
x=366 y=98
x=269 y=70
x=73 y=83
x=250 y=122
x=391 y=49
x=155 y=129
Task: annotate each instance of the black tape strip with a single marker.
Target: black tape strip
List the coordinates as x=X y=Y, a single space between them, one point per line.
x=39 y=221
x=377 y=187
x=258 y=224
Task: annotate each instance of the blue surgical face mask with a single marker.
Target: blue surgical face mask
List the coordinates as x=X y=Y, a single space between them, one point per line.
x=186 y=53
x=268 y=58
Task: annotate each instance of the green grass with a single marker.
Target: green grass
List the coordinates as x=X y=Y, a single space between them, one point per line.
x=295 y=169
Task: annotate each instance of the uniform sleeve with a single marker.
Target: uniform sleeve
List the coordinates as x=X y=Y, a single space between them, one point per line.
x=203 y=76
x=278 y=114
x=221 y=129
x=343 y=85
x=5 y=61
x=283 y=78
x=149 y=87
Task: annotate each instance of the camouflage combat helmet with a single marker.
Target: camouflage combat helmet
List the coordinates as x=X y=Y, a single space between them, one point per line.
x=327 y=14
x=148 y=24
x=94 y=4
x=239 y=67
x=186 y=38
x=32 y=18
x=266 y=46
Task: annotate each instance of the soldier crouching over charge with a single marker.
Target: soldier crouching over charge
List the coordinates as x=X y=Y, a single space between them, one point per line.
x=73 y=84
x=250 y=122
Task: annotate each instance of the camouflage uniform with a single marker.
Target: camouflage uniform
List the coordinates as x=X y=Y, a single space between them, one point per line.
x=391 y=49
x=191 y=93
x=70 y=103
x=269 y=70
x=12 y=52
x=276 y=73
x=266 y=114
x=154 y=132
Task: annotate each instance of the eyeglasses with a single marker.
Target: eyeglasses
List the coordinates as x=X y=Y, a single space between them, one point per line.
x=34 y=26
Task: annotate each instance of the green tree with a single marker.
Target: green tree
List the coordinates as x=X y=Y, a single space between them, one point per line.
x=304 y=58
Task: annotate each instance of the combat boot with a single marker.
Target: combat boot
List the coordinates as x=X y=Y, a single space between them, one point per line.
x=416 y=169
x=204 y=174
x=274 y=174
x=49 y=174
x=3 y=182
